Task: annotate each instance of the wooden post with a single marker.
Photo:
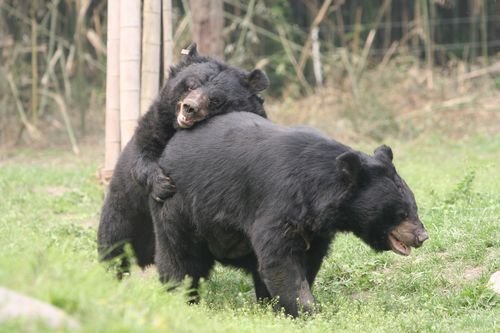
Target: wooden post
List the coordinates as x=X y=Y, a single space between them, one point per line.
x=151 y=42
x=208 y=22
x=130 y=67
x=168 y=42
x=112 y=136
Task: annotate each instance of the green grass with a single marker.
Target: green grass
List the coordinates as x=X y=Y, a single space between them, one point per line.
x=50 y=203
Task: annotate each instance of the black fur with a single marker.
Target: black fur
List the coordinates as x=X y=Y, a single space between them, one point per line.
x=125 y=215
x=270 y=199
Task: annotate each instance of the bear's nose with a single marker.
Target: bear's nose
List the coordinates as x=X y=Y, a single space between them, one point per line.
x=189 y=107
x=422 y=237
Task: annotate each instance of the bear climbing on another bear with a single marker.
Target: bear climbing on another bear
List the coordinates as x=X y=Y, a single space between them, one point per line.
x=270 y=199
x=197 y=88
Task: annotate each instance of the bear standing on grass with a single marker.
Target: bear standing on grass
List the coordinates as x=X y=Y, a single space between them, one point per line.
x=270 y=200
x=197 y=88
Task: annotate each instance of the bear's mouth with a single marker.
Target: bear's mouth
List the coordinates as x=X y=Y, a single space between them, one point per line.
x=406 y=235
x=184 y=122
x=398 y=246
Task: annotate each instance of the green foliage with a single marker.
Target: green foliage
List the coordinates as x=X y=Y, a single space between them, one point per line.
x=462 y=190
x=50 y=208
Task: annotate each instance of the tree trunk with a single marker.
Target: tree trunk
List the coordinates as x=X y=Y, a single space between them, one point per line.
x=208 y=22
x=130 y=67
x=112 y=136
x=151 y=41
x=168 y=42
x=34 y=64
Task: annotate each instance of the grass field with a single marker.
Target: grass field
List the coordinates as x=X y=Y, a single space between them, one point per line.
x=49 y=208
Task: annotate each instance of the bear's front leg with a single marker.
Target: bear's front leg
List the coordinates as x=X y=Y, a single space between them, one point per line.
x=162 y=186
x=150 y=176
x=261 y=292
x=286 y=280
x=283 y=270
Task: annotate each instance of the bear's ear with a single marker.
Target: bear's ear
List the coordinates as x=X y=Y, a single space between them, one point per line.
x=349 y=165
x=257 y=80
x=383 y=153
x=190 y=51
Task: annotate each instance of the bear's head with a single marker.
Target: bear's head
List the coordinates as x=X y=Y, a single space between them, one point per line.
x=381 y=208
x=200 y=87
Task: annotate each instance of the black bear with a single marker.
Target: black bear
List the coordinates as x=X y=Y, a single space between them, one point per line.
x=270 y=200
x=197 y=88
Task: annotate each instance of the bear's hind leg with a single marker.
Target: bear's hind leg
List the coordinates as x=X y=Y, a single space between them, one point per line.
x=143 y=241
x=113 y=233
x=177 y=253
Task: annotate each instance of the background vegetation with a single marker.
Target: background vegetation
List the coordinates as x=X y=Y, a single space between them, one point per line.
x=384 y=64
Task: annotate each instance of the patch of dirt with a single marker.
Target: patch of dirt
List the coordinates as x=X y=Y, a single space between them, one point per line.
x=56 y=191
x=473 y=273
x=92 y=223
x=361 y=295
x=456 y=276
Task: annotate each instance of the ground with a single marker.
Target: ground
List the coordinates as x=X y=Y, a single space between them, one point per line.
x=50 y=203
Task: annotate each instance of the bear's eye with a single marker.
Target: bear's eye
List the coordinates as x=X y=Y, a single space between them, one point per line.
x=216 y=101
x=190 y=85
x=403 y=215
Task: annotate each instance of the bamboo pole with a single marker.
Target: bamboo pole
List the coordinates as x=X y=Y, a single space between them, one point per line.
x=53 y=21
x=34 y=64
x=130 y=67
x=404 y=18
x=67 y=123
x=474 y=12
x=428 y=43
x=484 y=32
x=66 y=80
x=388 y=26
x=151 y=42
x=433 y=31
x=339 y=20
x=293 y=61
x=33 y=132
x=316 y=56
x=245 y=25
x=112 y=136
x=357 y=29
x=306 y=49
x=168 y=42
x=417 y=19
